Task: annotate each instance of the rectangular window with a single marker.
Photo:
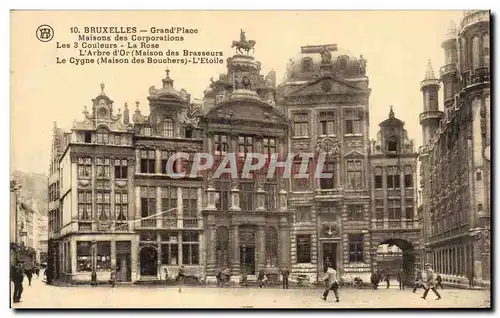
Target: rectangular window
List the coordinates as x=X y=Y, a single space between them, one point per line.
x=102 y=167
x=328 y=183
x=170 y=253
x=87 y=137
x=148 y=201
x=327 y=124
x=269 y=146
x=121 y=205
x=394 y=209
x=169 y=202
x=103 y=256
x=148 y=161
x=165 y=155
x=303 y=248
x=221 y=146
x=168 y=128
x=303 y=214
x=354 y=174
x=103 y=205
x=393 y=178
x=83 y=256
x=190 y=248
x=270 y=196
x=355 y=212
x=84 y=205
x=247 y=195
x=118 y=140
x=190 y=202
x=84 y=168
x=408 y=177
x=121 y=169
x=300 y=125
x=245 y=145
x=352 y=122
x=378 y=178
x=301 y=184
x=222 y=196
x=356 y=248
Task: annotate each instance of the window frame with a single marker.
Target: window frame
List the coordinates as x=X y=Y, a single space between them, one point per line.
x=356 y=248
x=304 y=248
x=301 y=124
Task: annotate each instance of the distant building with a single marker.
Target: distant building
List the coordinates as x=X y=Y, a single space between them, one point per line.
x=455 y=158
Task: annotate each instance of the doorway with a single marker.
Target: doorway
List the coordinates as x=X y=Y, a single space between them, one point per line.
x=247 y=259
x=149 y=261
x=123 y=268
x=330 y=255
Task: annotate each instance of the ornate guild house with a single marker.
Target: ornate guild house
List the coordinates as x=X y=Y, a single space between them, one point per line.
x=115 y=206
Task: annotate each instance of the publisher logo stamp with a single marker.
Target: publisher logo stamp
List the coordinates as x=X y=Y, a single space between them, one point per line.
x=45 y=33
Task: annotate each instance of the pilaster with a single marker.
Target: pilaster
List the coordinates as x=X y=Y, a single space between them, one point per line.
x=235 y=250
x=261 y=247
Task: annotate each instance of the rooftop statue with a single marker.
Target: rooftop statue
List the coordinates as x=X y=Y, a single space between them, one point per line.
x=243 y=44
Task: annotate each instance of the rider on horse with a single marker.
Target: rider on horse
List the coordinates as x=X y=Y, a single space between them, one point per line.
x=243 y=38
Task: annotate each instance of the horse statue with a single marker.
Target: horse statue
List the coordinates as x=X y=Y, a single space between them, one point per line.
x=245 y=46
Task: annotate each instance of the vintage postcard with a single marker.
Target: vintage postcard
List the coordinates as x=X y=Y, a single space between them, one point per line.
x=250 y=159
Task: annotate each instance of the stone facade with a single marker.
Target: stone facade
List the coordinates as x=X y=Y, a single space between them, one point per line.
x=455 y=160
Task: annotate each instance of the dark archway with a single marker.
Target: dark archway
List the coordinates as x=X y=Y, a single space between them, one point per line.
x=391 y=260
x=149 y=261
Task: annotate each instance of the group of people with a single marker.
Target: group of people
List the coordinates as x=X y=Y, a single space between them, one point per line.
x=17 y=272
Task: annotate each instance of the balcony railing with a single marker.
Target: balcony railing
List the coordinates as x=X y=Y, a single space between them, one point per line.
x=85 y=226
x=171 y=223
x=431 y=114
x=449 y=68
x=329 y=192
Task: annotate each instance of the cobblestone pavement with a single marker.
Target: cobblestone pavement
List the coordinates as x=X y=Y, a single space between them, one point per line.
x=40 y=295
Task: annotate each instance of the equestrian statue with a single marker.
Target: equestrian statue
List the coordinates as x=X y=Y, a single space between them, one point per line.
x=243 y=44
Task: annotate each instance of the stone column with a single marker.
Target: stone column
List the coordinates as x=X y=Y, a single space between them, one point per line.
x=157 y=161
x=158 y=208
x=235 y=197
x=138 y=160
x=210 y=247
x=235 y=250
x=113 y=253
x=137 y=202
x=180 y=209
x=261 y=247
x=284 y=243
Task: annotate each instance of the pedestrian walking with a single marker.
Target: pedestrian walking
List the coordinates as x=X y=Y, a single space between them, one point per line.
x=388 y=280
x=29 y=274
x=430 y=282
x=180 y=277
x=262 y=278
x=285 y=273
x=400 y=278
x=17 y=278
x=439 y=281
x=112 y=278
x=332 y=283
x=374 y=279
x=37 y=271
x=471 y=278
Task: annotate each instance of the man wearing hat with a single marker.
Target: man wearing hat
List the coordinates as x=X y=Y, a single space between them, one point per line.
x=430 y=282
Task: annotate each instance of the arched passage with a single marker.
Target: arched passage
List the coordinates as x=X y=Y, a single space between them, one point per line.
x=395 y=254
x=149 y=261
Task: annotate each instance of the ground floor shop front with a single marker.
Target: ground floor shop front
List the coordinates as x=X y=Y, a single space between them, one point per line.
x=134 y=256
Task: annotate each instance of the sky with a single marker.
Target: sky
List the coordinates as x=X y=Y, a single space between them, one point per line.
x=396 y=44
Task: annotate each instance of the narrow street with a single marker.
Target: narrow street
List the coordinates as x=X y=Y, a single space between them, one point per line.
x=40 y=295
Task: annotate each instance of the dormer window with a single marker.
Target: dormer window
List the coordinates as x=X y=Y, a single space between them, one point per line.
x=342 y=64
x=188 y=132
x=146 y=131
x=392 y=144
x=306 y=65
x=168 y=128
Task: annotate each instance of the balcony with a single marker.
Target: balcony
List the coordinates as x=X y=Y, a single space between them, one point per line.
x=448 y=69
x=432 y=114
x=171 y=223
x=474 y=16
x=481 y=75
x=329 y=194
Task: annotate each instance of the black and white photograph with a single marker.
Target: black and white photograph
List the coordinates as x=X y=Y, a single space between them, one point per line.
x=250 y=159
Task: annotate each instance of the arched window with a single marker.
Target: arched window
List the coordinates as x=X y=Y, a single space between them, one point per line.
x=102 y=136
x=168 y=127
x=392 y=144
x=146 y=131
x=475 y=52
x=342 y=64
x=486 y=49
x=271 y=246
x=221 y=247
x=306 y=65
